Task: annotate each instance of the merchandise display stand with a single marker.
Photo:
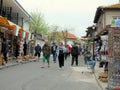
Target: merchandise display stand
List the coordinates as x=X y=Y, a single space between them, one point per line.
x=114 y=58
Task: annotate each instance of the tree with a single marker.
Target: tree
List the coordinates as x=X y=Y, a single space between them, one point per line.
x=54 y=35
x=38 y=26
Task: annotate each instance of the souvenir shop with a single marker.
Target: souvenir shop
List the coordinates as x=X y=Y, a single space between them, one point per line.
x=14 y=34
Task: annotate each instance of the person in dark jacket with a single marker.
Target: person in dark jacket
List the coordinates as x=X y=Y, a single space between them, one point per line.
x=4 y=49
x=74 y=53
x=38 y=51
x=25 y=48
x=54 y=52
x=46 y=49
x=61 y=50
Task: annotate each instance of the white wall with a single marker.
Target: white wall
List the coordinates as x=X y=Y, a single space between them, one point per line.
x=26 y=26
x=40 y=42
x=110 y=14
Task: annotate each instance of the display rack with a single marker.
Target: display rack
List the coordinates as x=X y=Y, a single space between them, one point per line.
x=114 y=58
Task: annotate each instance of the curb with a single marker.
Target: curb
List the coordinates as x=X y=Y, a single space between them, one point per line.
x=98 y=82
x=3 y=67
x=15 y=64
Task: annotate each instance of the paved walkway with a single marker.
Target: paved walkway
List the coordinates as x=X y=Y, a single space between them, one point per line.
x=97 y=71
x=96 y=74
x=82 y=69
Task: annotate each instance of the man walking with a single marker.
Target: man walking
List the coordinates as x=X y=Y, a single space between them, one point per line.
x=54 y=52
x=46 y=53
x=38 y=51
x=74 y=53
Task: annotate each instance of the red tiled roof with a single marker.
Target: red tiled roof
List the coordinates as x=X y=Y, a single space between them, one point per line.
x=71 y=36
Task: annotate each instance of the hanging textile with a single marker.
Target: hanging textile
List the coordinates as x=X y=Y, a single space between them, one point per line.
x=16 y=31
x=32 y=36
x=26 y=35
x=12 y=29
x=20 y=32
x=23 y=34
x=29 y=36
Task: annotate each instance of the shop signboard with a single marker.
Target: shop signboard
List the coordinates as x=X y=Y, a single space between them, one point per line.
x=115 y=23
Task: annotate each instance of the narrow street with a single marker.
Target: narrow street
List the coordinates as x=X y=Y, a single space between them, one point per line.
x=31 y=76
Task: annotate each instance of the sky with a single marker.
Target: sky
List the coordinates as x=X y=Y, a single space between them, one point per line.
x=73 y=15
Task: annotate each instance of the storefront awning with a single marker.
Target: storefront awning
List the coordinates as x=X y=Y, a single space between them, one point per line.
x=4 y=22
x=102 y=31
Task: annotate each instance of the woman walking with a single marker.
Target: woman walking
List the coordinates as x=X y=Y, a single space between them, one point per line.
x=61 y=55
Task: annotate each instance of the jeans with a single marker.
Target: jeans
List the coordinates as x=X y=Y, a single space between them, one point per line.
x=92 y=64
x=86 y=59
x=65 y=55
x=54 y=57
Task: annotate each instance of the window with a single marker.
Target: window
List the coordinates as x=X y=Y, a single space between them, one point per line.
x=116 y=17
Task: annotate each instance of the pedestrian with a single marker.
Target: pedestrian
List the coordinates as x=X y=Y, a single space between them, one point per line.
x=74 y=53
x=61 y=55
x=38 y=51
x=17 y=49
x=4 y=49
x=46 y=53
x=54 y=52
x=87 y=56
x=69 y=50
x=25 y=48
x=88 y=60
x=66 y=52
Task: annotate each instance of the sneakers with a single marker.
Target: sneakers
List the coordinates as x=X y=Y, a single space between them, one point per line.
x=42 y=67
x=48 y=66
x=60 y=68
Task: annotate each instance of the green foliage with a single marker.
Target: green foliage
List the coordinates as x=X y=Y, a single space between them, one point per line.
x=38 y=25
x=89 y=40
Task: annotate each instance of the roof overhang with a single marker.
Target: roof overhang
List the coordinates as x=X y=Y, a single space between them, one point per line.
x=98 y=14
x=16 y=7
x=100 y=11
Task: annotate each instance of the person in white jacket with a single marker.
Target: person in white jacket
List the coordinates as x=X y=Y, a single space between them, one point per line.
x=61 y=50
